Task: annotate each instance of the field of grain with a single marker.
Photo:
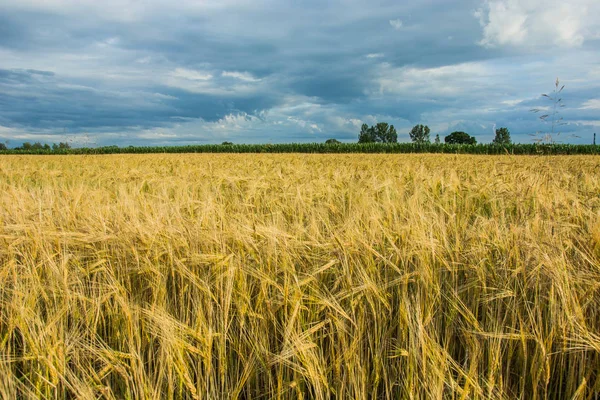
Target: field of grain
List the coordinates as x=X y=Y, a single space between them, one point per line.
x=300 y=276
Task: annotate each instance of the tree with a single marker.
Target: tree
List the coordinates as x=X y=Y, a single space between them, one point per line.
x=419 y=134
x=382 y=132
x=60 y=146
x=460 y=138
x=332 y=141
x=386 y=133
x=366 y=135
x=26 y=146
x=437 y=139
x=3 y=146
x=502 y=136
x=226 y=143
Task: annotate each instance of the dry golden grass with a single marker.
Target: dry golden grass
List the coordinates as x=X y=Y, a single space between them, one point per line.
x=299 y=276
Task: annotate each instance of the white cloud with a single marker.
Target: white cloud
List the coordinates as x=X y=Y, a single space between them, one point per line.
x=162 y=96
x=594 y=123
x=375 y=55
x=512 y=103
x=343 y=124
x=396 y=23
x=243 y=76
x=150 y=135
x=593 y=104
x=542 y=108
x=6 y=131
x=197 y=81
x=235 y=122
x=191 y=74
x=191 y=130
x=531 y=23
x=16 y=136
x=440 y=81
x=370 y=119
x=239 y=127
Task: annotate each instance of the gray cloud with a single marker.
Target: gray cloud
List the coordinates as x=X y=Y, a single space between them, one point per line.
x=260 y=71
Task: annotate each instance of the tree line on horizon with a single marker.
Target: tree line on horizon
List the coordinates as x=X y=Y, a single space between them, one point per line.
x=382 y=132
x=28 y=146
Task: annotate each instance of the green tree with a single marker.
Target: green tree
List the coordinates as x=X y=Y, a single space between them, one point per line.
x=460 y=138
x=60 y=146
x=382 y=132
x=502 y=136
x=419 y=134
x=386 y=133
x=26 y=146
x=332 y=141
x=437 y=139
x=3 y=146
x=366 y=135
x=226 y=143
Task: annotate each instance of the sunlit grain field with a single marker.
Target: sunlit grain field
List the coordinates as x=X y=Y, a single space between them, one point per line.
x=300 y=276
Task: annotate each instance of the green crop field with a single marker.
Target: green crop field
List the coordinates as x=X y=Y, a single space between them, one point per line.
x=339 y=148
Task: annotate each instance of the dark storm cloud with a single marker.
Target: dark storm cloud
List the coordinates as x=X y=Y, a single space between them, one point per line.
x=38 y=100
x=282 y=71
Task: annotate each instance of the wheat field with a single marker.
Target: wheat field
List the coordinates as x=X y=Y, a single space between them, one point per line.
x=299 y=277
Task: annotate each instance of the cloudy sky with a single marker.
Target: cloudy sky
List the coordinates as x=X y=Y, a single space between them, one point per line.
x=256 y=71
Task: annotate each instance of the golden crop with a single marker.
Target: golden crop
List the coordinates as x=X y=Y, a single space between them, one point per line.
x=299 y=276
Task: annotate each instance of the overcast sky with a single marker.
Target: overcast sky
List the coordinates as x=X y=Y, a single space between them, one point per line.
x=256 y=71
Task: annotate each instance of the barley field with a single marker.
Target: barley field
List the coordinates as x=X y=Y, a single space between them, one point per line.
x=220 y=276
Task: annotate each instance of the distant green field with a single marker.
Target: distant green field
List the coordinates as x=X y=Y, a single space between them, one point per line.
x=527 y=149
